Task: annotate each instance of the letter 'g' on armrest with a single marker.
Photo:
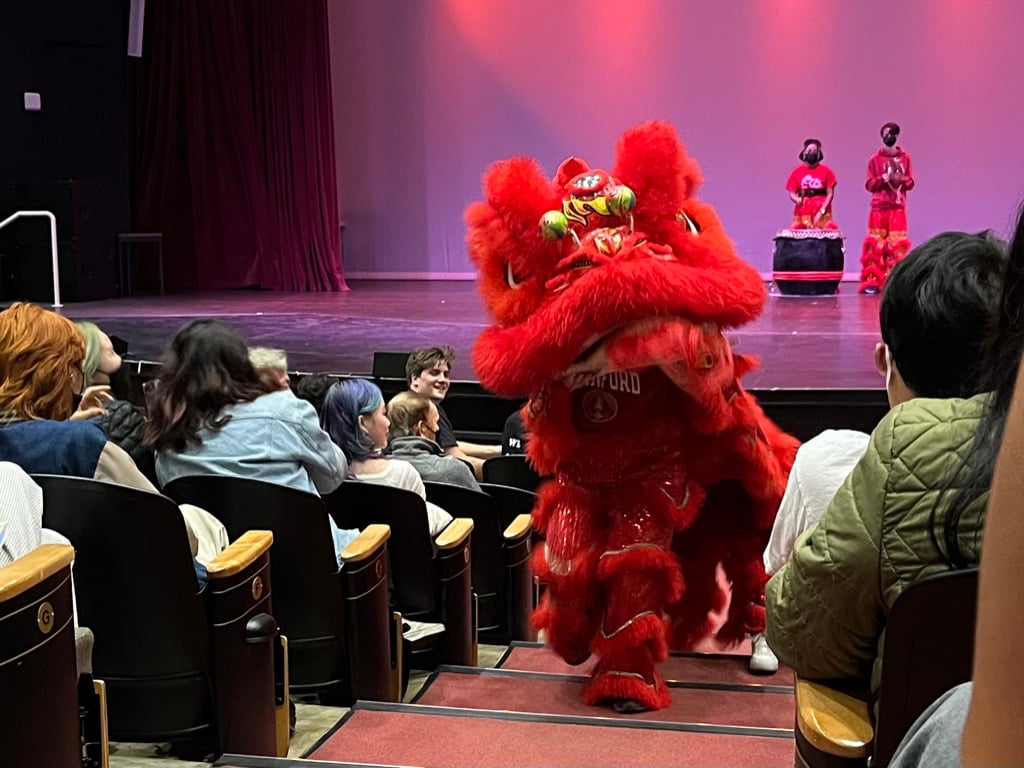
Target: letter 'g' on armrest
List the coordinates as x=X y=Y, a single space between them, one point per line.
x=242 y=553
x=833 y=722
x=366 y=544
x=34 y=568
x=518 y=527
x=455 y=534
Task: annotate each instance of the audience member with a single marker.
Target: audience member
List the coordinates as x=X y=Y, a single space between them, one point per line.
x=210 y=414
x=820 y=467
x=45 y=403
x=123 y=422
x=101 y=361
x=271 y=366
x=825 y=461
x=992 y=706
x=313 y=389
x=827 y=605
x=428 y=372
x=513 y=436
x=992 y=734
x=21 y=515
x=41 y=377
x=412 y=437
x=354 y=418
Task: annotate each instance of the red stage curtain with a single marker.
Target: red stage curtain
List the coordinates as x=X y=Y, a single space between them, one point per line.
x=232 y=151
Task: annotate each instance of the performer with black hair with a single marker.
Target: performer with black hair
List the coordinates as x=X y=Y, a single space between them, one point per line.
x=889 y=179
x=811 y=187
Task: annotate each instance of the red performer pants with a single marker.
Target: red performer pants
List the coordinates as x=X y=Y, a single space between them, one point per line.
x=611 y=573
x=884 y=247
x=806 y=215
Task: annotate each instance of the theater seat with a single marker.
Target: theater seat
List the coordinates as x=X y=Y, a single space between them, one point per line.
x=514 y=470
x=192 y=668
x=337 y=620
x=432 y=578
x=500 y=565
x=512 y=502
x=38 y=673
x=929 y=648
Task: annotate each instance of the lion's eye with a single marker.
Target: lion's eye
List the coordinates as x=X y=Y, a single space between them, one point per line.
x=689 y=223
x=513 y=281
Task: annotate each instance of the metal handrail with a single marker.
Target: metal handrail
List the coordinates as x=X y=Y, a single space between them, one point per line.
x=53 y=247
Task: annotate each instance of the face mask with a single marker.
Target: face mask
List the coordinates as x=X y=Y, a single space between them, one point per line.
x=121 y=382
x=812 y=158
x=889 y=140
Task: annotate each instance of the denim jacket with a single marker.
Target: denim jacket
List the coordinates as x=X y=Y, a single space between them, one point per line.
x=275 y=438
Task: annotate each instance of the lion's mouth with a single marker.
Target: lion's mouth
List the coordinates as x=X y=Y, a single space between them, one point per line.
x=594 y=343
x=599 y=354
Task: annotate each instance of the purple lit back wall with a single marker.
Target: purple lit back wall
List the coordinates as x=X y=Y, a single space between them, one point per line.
x=428 y=93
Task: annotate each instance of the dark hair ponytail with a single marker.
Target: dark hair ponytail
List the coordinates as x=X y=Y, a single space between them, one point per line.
x=973 y=478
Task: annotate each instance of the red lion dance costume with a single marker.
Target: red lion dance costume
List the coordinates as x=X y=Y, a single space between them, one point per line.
x=609 y=316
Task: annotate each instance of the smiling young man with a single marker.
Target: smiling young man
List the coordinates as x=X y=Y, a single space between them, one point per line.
x=428 y=373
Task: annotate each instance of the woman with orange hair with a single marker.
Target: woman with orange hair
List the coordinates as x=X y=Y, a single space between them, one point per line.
x=44 y=401
x=44 y=404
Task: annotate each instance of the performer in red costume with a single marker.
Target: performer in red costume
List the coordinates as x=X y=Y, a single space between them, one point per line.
x=609 y=315
x=811 y=187
x=889 y=180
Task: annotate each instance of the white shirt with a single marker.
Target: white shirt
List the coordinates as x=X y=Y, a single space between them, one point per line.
x=21 y=514
x=402 y=474
x=820 y=467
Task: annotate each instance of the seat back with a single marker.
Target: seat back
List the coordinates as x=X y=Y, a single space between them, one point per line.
x=37 y=661
x=136 y=587
x=358 y=504
x=389 y=365
x=511 y=501
x=308 y=600
x=488 y=564
x=514 y=470
x=929 y=648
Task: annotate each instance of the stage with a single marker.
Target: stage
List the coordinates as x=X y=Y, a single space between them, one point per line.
x=803 y=343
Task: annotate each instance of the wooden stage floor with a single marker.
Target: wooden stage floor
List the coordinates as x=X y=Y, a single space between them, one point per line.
x=816 y=343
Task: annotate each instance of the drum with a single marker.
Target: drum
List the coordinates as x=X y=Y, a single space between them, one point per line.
x=808 y=262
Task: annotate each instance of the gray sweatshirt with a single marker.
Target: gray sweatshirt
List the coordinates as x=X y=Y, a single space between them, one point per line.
x=430 y=461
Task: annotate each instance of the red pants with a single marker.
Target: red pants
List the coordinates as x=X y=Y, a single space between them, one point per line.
x=610 y=573
x=806 y=215
x=884 y=247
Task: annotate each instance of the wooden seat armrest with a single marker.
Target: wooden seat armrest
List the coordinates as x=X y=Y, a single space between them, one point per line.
x=366 y=544
x=833 y=722
x=34 y=568
x=455 y=534
x=242 y=553
x=519 y=527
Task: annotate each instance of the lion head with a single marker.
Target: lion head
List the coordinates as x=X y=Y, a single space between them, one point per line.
x=567 y=264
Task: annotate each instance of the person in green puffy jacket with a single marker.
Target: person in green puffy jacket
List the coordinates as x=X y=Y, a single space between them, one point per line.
x=827 y=607
x=987 y=711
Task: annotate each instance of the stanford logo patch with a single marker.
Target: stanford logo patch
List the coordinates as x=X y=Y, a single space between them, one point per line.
x=599 y=406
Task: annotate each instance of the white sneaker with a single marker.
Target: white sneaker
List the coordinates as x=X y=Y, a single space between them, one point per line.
x=762 y=659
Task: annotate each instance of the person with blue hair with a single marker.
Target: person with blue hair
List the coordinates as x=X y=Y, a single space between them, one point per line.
x=354 y=416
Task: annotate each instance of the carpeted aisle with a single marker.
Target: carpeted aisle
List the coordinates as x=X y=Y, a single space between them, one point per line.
x=405 y=735
x=681 y=667
x=468 y=687
x=528 y=712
